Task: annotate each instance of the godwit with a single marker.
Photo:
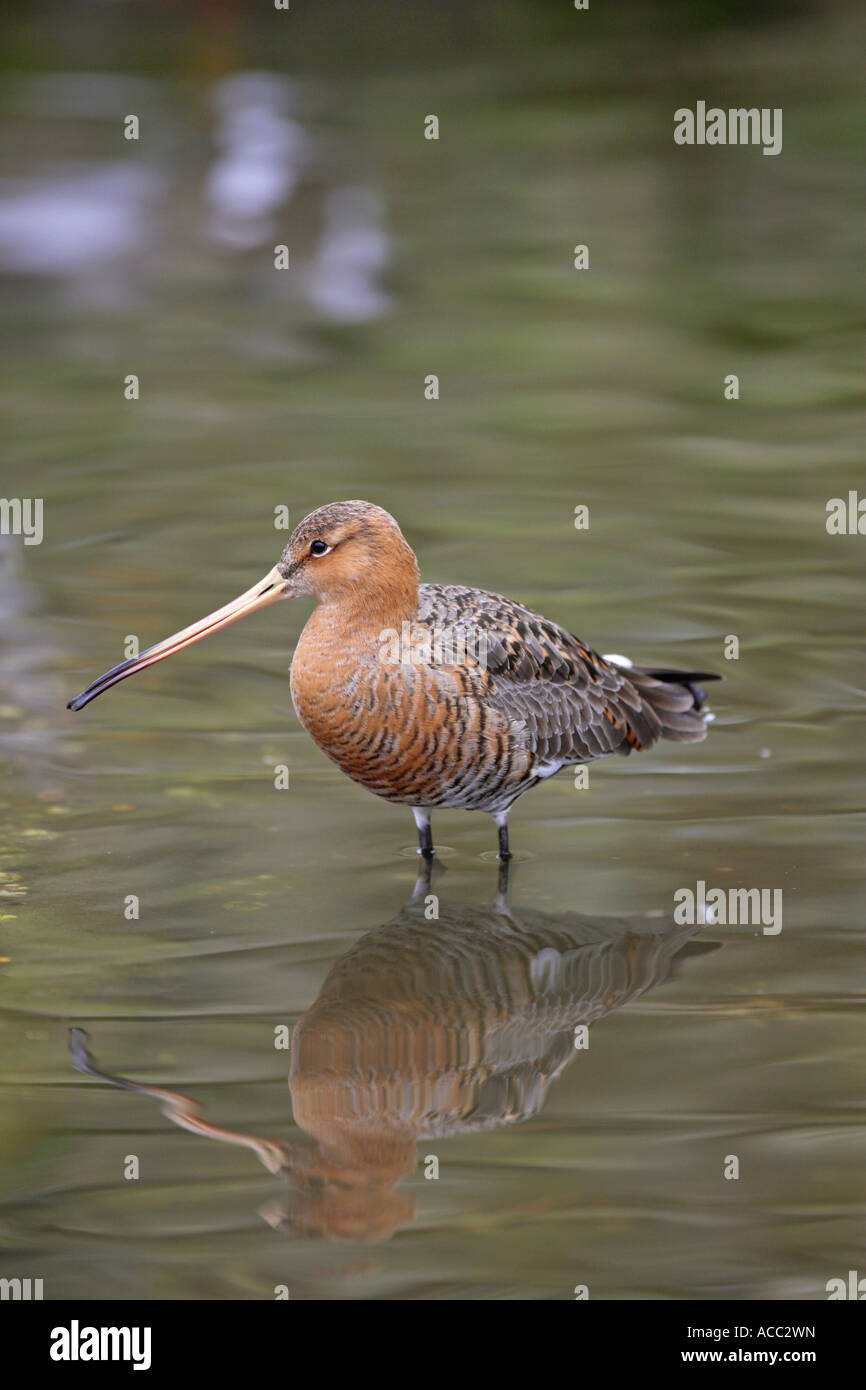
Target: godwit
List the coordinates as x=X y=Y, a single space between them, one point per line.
x=436 y=695
x=423 y=1031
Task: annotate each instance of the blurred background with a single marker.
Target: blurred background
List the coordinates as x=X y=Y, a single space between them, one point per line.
x=262 y=388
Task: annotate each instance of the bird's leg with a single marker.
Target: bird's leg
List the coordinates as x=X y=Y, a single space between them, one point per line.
x=501 y=904
x=425 y=834
x=500 y=819
x=422 y=882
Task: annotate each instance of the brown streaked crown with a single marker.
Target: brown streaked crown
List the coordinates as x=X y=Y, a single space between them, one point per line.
x=368 y=555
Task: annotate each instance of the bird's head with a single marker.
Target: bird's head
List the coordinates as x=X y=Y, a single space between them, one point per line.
x=348 y=553
x=346 y=550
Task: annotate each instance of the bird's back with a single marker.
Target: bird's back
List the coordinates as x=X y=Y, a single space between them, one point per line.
x=479 y=699
x=568 y=703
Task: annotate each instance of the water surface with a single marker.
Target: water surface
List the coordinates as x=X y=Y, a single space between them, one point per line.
x=261 y=910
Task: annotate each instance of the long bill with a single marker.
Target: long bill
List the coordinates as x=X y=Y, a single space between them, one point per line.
x=274 y=586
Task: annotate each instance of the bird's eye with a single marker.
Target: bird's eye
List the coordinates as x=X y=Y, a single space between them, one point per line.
x=319 y=548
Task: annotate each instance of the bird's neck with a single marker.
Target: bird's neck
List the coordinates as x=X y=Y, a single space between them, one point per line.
x=360 y=618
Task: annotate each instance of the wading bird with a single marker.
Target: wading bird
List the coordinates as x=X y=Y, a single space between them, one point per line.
x=435 y=695
x=430 y=1030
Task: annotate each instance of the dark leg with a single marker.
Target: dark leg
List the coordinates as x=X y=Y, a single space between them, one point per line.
x=504 y=851
x=423 y=881
x=502 y=885
x=425 y=834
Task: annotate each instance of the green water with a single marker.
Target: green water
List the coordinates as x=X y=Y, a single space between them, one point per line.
x=558 y=1166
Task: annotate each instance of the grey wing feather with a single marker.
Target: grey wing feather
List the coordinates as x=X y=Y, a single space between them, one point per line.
x=569 y=703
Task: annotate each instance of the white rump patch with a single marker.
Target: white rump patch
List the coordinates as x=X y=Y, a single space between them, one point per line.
x=617 y=659
x=547 y=769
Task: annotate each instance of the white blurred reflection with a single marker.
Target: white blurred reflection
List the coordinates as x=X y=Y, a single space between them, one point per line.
x=262 y=153
x=353 y=253
x=107 y=228
x=64 y=224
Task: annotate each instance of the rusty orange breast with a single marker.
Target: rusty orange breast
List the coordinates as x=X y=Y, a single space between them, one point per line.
x=410 y=731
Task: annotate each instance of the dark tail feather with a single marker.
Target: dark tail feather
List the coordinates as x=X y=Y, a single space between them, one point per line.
x=689 y=679
x=676 y=698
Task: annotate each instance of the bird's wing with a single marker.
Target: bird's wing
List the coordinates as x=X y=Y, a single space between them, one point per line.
x=565 y=703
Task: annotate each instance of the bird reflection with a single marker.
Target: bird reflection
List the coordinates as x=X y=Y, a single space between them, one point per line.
x=448 y=1020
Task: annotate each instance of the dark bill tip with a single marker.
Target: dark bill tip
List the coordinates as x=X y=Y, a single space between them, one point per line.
x=272 y=587
x=105 y=682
